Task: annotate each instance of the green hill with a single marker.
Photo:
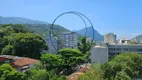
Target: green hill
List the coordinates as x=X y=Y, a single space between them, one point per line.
x=43 y=29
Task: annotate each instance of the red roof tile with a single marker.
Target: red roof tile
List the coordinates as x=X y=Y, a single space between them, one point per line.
x=2 y=58
x=24 y=61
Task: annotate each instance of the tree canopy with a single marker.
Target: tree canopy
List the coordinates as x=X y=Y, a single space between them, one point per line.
x=72 y=57
x=126 y=66
x=25 y=44
x=84 y=46
x=8 y=73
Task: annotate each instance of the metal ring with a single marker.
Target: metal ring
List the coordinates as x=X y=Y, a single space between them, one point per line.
x=71 y=12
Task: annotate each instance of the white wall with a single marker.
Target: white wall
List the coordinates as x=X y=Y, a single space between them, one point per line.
x=99 y=55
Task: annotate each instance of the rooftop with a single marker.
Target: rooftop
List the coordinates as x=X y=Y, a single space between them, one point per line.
x=24 y=61
x=18 y=61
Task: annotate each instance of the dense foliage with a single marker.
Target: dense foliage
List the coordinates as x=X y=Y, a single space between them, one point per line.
x=8 y=73
x=52 y=62
x=71 y=57
x=130 y=64
x=125 y=66
x=44 y=29
x=18 y=40
x=84 y=46
x=64 y=62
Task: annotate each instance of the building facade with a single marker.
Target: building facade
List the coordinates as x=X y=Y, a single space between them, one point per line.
x=110 y=38
x=52 y=44
x=101 y=54
x=115 y=49
x=69 y=40
x=90 y=40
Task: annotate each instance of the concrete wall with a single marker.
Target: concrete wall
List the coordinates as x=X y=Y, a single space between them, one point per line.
x=99 y=55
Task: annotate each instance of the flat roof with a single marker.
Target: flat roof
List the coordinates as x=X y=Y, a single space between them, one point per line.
x=124 y=44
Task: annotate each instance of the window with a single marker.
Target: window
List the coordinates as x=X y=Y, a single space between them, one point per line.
x=67 y=36
x=67 y=44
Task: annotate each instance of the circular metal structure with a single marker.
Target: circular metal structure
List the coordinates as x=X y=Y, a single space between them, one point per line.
x=80 y=15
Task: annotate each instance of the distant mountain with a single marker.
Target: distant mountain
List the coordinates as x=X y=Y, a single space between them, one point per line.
x=43 y=29
x=19 y=20
x=97 y=35
x=38 y=27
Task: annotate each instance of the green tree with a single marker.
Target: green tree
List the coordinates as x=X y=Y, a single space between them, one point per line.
x=52 y=62
x=71 y=57
x=7 y=50
x=26 y=45
x=122 y=75
x=84 y=46
x=37 y=74
x=8 y=73
x=95 y=73
x=10 y=30
x=127 y=63
x=15 y=28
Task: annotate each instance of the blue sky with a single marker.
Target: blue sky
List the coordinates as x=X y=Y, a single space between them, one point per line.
x=122 y=17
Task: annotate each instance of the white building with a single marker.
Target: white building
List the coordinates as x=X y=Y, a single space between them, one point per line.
x=110 y=38
x=99 y=54
x=124 y=41
x=90 y=40
x=115 y=49
x=69 y=40
x=103 y=53
x=138 y=39
x=52 y=44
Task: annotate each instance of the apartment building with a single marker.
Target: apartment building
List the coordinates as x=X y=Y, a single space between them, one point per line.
x=69 y=39
x=105 y=51
x=110 y=38
x=52 y=44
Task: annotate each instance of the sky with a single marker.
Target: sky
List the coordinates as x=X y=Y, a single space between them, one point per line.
x=121 y=17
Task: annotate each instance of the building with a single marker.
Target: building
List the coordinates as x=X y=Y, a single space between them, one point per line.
x=111 y=48
x=137 y=39
x=99 y=54
x=124 y=41
x=90 y=40
x=19 y=63
x=69 y=40
x=23 y=64
x=115 y=49
x=52 y=44
x=104 y=52
x=110 y=38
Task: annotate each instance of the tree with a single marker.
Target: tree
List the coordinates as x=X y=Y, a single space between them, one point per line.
x=122 y=75
x=27 y=45
x=128 y=64
x=8 y=73
x=7 y=50
x=15 y=28
x=37 y=74
x=52 y=62
x=71 y=57
x=10 y=30
x=95 y=73
x=84 y=46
